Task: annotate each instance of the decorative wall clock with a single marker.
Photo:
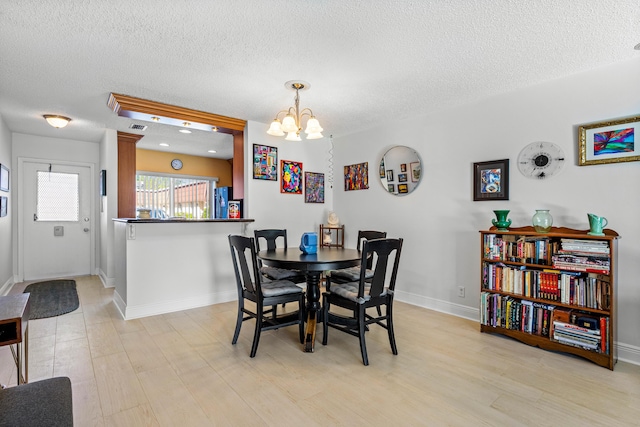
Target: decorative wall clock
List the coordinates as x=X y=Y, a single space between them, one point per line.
x=540 y=160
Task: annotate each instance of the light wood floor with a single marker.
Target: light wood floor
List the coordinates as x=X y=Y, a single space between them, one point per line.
x=180 y=369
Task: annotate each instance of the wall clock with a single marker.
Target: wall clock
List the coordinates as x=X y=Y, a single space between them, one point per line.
x=540 y=160
x=176 y=164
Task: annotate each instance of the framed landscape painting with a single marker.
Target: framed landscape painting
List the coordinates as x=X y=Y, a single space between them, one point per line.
x=291 y=172
x=356 y=177
x=313 y=187
x=491 y=180
x=265 y=162
x=612 y=141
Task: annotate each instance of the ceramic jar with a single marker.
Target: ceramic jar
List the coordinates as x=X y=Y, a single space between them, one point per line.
x=501 y=220
x=542 y=220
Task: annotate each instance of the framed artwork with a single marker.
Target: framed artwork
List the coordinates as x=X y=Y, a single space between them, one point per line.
x=4 y=178
x=491 y=180
x=415 y=171
x=402 y=188
x=391 y=188
x=390 y=175
x=382 y=168
x=356 y=177
x=3 y=206
x=612 y=141
x=103 y=182
x=403 y=167
x=291 y=172
x=265 y=162
x=313 y=187
x=402 y=177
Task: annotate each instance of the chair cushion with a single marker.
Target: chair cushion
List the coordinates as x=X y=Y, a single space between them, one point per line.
x=280 y=287
x=40 y=403
x=275 y=273
x=350 y=291
x=351 y=273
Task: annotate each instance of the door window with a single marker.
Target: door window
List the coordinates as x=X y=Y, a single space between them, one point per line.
x=57 y=196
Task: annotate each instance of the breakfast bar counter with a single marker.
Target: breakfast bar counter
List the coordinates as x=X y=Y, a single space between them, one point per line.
x=166 y=265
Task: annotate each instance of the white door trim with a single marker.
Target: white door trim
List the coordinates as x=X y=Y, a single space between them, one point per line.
x=21 y=208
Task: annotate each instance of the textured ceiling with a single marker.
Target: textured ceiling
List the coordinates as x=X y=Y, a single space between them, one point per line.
x=367 y=61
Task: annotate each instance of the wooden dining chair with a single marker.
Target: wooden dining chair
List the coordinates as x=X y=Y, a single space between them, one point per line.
x=268 y=294
x=362 y=295
x=352 y=274
x=272 y=237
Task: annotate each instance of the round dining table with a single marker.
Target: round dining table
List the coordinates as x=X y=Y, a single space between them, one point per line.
x=312 y=265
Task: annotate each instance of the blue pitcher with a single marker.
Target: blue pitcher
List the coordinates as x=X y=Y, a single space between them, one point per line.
x=309 y=243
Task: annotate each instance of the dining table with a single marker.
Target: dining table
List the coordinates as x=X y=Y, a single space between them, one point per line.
x=312 y=265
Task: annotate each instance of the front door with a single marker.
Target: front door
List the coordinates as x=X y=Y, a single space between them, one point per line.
x=56 y=216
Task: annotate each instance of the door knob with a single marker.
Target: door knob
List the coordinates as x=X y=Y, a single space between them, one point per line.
x=86 y=230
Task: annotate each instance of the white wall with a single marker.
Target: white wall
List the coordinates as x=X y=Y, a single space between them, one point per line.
x=263 y=200
x=6 y=254
x=440 y=220
x=108 y=208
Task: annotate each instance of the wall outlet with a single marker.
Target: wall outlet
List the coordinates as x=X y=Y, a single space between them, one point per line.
x=461 y=291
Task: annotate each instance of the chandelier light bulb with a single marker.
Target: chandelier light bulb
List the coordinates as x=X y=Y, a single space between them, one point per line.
x=316 y=135
x=289 y=124
x=293 y=136
x=313 y=126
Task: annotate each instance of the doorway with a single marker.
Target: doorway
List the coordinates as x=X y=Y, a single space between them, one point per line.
x=55 y=220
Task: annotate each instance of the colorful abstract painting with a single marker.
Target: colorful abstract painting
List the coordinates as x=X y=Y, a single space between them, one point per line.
x=356 y=177
x=265 y=162
x=313 y=187
x=613 y=142
x=291 y=177
x=490 y=180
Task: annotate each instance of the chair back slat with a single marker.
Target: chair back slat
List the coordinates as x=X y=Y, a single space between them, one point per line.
x=243 y=253
x=271 y=237
x=364 y=235
x=384 y=254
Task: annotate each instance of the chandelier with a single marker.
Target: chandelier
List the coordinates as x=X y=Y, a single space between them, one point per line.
x=292 y=121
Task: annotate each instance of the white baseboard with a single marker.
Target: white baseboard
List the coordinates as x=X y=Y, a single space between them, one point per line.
x=107 y=282
x=129 y=312
x=626 y=352
x=4 y=290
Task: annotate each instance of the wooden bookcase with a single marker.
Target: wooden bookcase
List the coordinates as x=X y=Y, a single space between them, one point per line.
x=550 y=289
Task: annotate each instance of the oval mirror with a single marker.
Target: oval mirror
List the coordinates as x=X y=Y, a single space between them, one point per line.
x=400 y=170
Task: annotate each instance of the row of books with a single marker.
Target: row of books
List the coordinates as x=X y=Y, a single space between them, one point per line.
x=589 y=290
x=583 y=255
x=525 y=249
x=583 y=245
x=520 y=315
x=544 y=320
x=580 y=330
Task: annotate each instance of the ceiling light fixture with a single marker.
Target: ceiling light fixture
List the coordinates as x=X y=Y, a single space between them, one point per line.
x=291 y=123
x=163 y=144
x=155 y=118
x=214 y=129
x=184 y=131
x=57 y=121
x=211 y=151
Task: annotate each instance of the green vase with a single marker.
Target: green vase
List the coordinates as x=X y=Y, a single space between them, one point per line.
x=501 y=220
x=542 y=221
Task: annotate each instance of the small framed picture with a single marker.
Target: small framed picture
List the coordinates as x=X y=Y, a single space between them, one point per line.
x=3 y=206
x=415 y=171
x=390 y=175
x=491 y=180
x=391 y=188
x=402 y=188
x=403 y=167
x=265 y=162
x=4 y=178
x=235 y=210
x=611 y=141
x=402 y=177
x=382 y=168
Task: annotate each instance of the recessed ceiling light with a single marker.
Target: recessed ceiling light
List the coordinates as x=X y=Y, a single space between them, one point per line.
x=155 y=119
x=186 y=124
x=164 y=144
x=211 y=151
x=184 y=131
x=214 y=129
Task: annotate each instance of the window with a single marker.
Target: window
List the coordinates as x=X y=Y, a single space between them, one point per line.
x=165 y=196
x=57 y=196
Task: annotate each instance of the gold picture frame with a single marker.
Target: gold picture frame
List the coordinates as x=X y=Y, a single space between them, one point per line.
x=611 y=141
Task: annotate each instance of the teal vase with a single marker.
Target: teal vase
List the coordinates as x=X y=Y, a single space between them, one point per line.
x=501 y=220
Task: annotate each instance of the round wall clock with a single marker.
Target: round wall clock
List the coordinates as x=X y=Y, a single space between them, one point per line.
x=540 y=160
x=176 y=164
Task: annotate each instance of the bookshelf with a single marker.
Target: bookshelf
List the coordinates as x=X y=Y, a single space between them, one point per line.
x=336 y=234
x=555 y=290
